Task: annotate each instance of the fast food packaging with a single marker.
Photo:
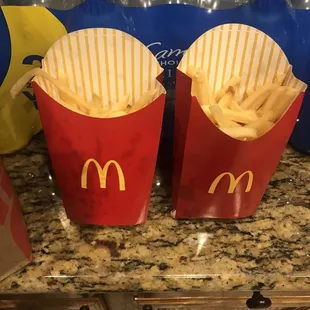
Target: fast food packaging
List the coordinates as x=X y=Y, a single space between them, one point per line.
x=215 y=175
x=15 y=249
x=104 y=167
x=26 y=34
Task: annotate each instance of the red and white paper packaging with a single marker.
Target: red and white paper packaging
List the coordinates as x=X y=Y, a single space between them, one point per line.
x=216 y=176
x=15 y=249
x=104 y=167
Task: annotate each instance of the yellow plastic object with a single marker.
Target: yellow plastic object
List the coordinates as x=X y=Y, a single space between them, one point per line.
x=32 y=31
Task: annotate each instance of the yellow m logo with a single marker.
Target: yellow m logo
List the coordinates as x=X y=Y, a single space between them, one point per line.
x=102 y=172
x=232 y=182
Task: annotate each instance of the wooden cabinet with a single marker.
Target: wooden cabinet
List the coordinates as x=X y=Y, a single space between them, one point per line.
x=50 y=302
x=225 y=300
x=157 y=301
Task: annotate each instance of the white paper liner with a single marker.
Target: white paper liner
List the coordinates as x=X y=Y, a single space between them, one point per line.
x=107 y=62
x=235 y=49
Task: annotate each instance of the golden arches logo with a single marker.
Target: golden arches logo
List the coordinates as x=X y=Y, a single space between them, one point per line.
x=102 y=173
x=232 y=181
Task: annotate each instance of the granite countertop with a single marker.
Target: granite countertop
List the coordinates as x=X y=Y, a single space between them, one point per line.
x=270 y=250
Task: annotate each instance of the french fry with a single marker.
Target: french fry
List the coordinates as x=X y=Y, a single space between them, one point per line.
x=124 y=102
x=232 y=124
x=72 y=106
x=204 y=93
x=288 y=97
x=63 y=78
x=67 y=101
x=117 y=114
x=96 y=100
x=262 y=126
x=119 y=106
x=71 y=100
x=191 y=73
x=232 y=82
x=66 y=92
x=96 y=107
x=226 y=100
x=258 y=97
x=241 y=133
x=237 y=93
x=248 y=93
x=206 y=109
x=128 y=110
x=234 y=105
x=251 y=116
x=220 y=119
x=244 y=117
x=144 y=100
x=280 y=79
x=273 y=99
x=95 y=112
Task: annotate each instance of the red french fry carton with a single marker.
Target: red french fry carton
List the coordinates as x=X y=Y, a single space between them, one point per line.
x=104 y=167
x=15 y=248
x=215 y=175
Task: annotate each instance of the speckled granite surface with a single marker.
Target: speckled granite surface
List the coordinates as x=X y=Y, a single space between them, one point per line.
x=270 y=250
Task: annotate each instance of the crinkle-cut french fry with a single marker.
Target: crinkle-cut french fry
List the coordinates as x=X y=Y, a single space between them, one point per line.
x=286 y=100
x=144 y=100
x=258 y=97
x=243 y=117
x=21 y=83
x=204 y=92
x=232 y=82
x=234 y=105
x=273 y=99
x=191 y=73
x=261 y=125
x=280 y=79
x=241 y=133
x=226 y=100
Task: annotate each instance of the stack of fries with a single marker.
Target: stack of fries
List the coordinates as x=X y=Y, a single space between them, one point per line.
x=95 y=108
x=246 y=118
